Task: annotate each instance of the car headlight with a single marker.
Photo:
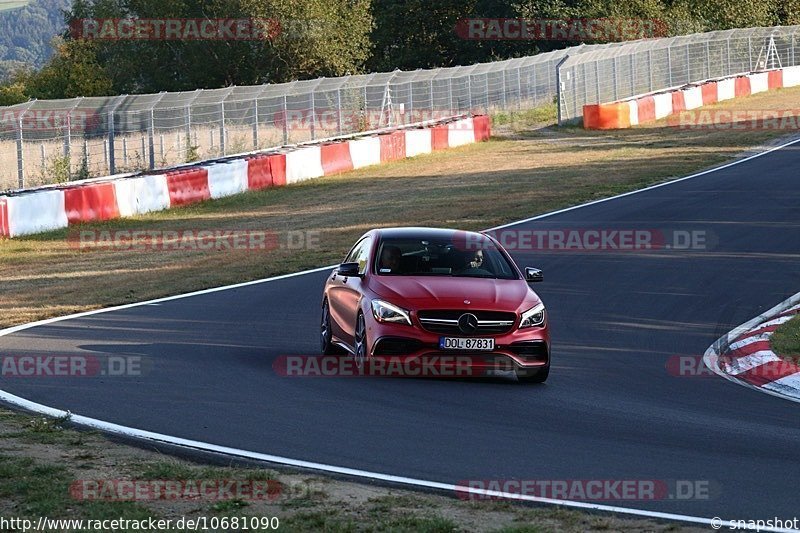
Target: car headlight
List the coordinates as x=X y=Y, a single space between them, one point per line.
x=386 y=312
x=533 y=317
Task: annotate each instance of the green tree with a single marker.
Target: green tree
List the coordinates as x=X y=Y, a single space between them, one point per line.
x=74 y=71
x=317 y=38
x=13 y=93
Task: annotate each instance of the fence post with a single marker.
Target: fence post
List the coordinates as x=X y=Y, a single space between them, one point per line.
x=469 y=93
x=650 y=68
x=112 y=163
x=339 y=110
x=728 y=46
x=519 y=87
x=367 y=123
x=151 y=132
x=669 y=65
x=559 y=88
x=585 y=85
x=615 y=78
x=688 y=66
x=222 y=128
x=450 y=94
x=20 y=153
x=432 y=103
x=285 y=120
x=597 y=81
x=633 y=74
x=188 y=127
x=750 y=51
x=486 y=76
x=708 y=60
x=68 y=145
x=255 y=124
x=313 y=117
x=151 y=142
x=86 y=161
x=410 y=111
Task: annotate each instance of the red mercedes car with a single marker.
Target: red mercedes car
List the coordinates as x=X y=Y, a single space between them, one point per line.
x=422 y=293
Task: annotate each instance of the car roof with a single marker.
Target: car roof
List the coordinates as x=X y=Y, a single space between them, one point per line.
x=424 y=233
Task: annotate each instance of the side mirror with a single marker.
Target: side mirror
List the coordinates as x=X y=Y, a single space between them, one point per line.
x=533 y=275
x=348 y=270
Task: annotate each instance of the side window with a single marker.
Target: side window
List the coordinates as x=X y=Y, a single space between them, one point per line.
x=359 y=254
x=350 y=258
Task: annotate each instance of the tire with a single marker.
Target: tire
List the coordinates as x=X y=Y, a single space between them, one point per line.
x=326 y=335
x=360 y=342
x=533 y=376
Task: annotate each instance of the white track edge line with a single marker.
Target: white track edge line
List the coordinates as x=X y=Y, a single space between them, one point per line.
x=146 y=435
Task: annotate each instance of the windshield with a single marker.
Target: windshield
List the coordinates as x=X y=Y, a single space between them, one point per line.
x=439 y=257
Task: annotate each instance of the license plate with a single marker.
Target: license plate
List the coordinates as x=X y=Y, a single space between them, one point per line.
x=461 y=343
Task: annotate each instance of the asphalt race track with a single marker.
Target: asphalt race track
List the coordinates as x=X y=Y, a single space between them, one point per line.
x=611 y=410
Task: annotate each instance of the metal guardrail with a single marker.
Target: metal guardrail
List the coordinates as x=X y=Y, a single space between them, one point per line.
x=47 y=141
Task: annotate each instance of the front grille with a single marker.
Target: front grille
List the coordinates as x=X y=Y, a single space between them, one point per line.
x=446 y=322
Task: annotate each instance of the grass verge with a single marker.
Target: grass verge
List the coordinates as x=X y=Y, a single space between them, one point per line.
x=786 y=340
x=43 y=460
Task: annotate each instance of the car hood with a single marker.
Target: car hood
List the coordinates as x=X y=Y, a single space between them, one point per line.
x=439 y=292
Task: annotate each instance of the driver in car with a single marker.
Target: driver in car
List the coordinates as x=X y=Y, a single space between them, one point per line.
x=390 y=259
x=477 y=260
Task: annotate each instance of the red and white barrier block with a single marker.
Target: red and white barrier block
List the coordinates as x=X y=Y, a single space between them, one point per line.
x=365 y=152
x=746 y=357
x=28 y=212
x=227 y=178
x=34 y=212
x=651 y=107
x=142 y=194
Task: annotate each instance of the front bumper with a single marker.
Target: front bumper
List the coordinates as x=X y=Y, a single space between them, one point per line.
x=527 y=348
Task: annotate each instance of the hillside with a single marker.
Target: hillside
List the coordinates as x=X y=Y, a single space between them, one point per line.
x=26 y=30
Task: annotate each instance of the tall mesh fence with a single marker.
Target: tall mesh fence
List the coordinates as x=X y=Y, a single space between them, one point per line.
x=628 y=69
x=48 y=141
